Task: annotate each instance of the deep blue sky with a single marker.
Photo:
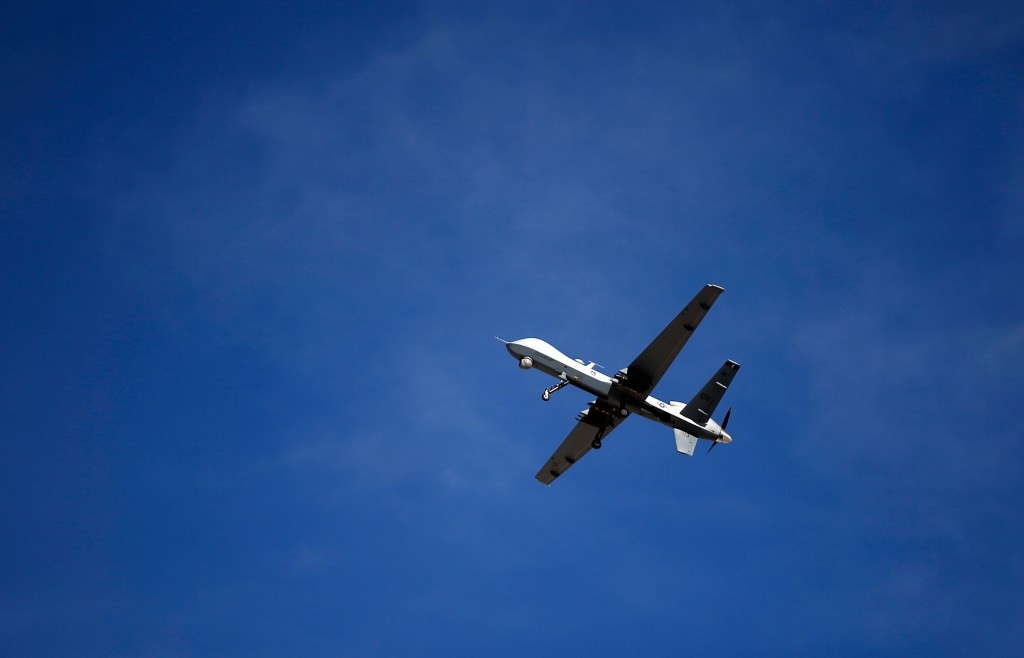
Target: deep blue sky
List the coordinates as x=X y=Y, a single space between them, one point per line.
x=252 y=261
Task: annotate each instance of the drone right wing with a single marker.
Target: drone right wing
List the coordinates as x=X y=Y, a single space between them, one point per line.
x=596 y=422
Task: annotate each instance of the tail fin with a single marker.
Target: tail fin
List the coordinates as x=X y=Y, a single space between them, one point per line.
x=700 y=408
x=685 y=443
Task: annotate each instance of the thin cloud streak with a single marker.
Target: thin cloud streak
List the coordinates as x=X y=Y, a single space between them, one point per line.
x=321 y=260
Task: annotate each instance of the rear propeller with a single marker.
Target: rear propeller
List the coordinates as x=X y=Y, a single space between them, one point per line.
x=725 y=421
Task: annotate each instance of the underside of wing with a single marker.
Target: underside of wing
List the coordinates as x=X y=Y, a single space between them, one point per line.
x=647 y=369
x=595 y=423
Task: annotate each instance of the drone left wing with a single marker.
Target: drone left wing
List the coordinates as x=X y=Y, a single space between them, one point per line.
x=597 y=422
x=648 y=368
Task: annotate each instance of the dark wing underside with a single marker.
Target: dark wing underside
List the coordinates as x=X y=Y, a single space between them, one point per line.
x=647 y=369
x=596 y=422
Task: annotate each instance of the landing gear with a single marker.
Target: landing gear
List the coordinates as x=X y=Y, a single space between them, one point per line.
x=623 y=412
x=596 y=444
x=546 y=395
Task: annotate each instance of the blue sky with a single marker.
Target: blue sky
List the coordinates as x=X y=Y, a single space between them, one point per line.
x=253 y=260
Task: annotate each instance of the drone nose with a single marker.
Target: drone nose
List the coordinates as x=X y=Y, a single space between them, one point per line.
x=725 y=438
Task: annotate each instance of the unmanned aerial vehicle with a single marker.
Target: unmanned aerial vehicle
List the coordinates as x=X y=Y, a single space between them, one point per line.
x=629 y=391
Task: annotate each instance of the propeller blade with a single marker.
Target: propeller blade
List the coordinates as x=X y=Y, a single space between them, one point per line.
x=725 y=421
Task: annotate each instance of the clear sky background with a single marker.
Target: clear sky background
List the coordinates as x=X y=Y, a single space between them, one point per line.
x=253 y=257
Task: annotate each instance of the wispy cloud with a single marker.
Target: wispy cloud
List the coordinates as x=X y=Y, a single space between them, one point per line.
x=370 y=226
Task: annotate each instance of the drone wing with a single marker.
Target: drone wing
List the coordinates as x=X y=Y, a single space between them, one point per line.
x=647 y=369
x=596 y=422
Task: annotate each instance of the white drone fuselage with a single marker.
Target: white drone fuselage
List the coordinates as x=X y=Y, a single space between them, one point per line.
x=539 y=354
